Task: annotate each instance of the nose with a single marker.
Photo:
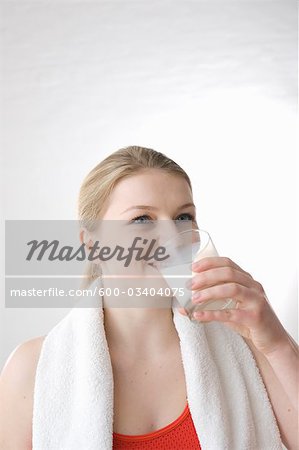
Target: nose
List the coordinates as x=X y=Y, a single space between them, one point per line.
x=170 y=230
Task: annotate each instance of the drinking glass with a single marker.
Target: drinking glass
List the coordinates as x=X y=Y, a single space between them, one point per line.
x=184 y=248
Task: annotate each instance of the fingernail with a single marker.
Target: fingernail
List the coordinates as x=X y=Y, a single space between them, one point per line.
x=189 y=284
x=197 y=314
x=196 y=297
x=195 y=265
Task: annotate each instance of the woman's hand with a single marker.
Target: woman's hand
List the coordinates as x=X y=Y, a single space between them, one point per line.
x=253 y=316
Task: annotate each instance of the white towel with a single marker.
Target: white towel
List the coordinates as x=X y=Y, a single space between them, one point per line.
x=73 y=395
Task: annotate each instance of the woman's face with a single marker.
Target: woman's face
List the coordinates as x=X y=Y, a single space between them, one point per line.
x=153 y=205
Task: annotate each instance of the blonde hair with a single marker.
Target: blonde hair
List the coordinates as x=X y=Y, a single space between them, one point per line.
x=101 y=180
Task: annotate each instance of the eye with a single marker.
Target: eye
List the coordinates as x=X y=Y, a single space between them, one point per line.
x=142 y=219
x=184 y=217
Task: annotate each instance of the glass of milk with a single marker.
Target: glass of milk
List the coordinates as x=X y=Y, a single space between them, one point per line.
x=183 y=249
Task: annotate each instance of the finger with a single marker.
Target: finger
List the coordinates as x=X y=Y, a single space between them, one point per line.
x=182 y=311
x=224 y=315
x=215 y=261
x=219 y=275
x=235 y=291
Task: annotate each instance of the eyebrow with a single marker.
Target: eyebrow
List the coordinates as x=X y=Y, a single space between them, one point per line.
x=148 y=207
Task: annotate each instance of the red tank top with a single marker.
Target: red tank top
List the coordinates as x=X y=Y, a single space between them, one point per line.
x=179 y=434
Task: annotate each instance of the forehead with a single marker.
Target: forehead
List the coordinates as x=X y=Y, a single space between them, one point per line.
x=150 y=187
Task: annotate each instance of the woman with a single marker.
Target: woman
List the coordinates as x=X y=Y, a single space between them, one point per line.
x=141 y=185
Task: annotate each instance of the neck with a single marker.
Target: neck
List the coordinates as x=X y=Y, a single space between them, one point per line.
x=140 y=331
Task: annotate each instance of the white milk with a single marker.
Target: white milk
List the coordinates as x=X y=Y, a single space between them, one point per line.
x=177 y=275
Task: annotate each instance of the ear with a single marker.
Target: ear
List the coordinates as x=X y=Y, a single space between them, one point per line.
x=85 y=238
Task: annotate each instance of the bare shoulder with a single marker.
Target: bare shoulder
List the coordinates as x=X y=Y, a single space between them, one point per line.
x=16 y=395
x=20 y=367
x=26 y=353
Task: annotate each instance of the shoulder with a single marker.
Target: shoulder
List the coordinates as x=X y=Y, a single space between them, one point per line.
x=22 y=362
x=16 y=394
x=25 y=353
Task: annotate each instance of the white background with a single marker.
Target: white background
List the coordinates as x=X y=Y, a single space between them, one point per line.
x=210 y=83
